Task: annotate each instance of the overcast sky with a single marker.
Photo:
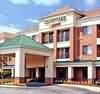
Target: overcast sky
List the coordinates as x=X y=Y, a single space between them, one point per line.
x=17 y=14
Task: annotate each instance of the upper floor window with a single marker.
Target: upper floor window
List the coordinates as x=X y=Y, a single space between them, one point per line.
x=63 y=35
x=66 y=53
x=34 y=37
x=87 y=29
x=63 y=53
x=47 y=37
x=98 y=50
x=98 y=31
x=87 y=50
x=50 y=37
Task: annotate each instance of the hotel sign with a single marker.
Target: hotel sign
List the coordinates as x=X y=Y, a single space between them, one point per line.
x=56 y=19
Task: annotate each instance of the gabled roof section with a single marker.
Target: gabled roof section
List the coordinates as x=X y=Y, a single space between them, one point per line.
x=92 y=13
x=62 y=10
x=22 y=41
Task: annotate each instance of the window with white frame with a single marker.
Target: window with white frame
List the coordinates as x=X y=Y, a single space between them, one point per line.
x=63 y=53
x=87 y=50
x=34 y=37
x=87 y=29
x=65 y=35
x=50 y=34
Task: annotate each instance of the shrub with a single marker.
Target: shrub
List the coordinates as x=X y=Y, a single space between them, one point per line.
x=5 y=73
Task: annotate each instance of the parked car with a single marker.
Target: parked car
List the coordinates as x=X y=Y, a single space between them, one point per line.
x=97 y=82
x=59 y=81
x=35 y=83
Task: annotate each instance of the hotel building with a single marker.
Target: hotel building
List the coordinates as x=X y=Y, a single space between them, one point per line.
x=73 y=38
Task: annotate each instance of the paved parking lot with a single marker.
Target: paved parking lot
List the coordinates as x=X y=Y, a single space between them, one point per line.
x=46 y=90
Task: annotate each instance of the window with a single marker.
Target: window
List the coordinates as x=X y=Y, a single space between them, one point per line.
x=66 y=53
x=34 y=37
x=50 y=37
x=98 y=50
x=45 y=37
x=87 y=50
x=87 y=29
x=63 y=53
x=63 y=35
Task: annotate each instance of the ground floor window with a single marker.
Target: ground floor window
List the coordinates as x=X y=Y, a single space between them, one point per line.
x=80 y=73
x=61 y=73
x=97 y=72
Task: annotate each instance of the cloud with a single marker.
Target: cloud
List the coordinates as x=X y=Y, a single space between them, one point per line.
x=90 y=3
x=32 y=20
x=46 y=2
x=8 y=28
x=23 y=2
x=37 y=2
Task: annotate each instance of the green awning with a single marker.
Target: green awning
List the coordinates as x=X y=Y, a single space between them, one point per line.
x=22 y=41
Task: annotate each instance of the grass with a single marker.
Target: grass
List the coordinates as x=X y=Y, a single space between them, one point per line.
x=7 y=81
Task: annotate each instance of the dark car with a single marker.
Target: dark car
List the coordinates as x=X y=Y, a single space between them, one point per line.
x=59 y=81
x=97 y=82
x=35 y=83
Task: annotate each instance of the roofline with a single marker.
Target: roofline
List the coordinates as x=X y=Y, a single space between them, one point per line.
x=89 y=18
x=71 y=10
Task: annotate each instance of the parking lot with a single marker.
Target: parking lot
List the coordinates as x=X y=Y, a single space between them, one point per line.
x=45 y=90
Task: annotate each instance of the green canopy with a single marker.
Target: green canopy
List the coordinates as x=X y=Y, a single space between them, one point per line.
x=22 y=41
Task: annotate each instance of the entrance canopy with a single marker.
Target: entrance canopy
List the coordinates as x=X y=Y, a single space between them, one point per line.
x=22 y=41
x=26 y=52
x=25 y=42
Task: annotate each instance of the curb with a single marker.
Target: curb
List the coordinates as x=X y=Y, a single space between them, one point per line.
x=91 y=88
x=12 y=86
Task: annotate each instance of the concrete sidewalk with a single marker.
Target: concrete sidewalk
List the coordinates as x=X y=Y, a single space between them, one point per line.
x=12 y=86
x=91 y=88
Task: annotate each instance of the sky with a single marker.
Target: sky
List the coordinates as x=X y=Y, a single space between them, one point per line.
x=18 y=14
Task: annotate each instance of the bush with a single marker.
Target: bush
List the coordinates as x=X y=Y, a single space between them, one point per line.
x=5 y=73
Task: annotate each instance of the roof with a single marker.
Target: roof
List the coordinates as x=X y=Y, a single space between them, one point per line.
x=62 y=10
x=22 y=41
x=92 y=13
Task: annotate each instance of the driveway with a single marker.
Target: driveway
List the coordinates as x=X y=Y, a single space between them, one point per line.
x=46 y=90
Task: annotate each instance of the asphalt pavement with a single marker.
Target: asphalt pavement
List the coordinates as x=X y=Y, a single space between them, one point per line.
x=46 y=90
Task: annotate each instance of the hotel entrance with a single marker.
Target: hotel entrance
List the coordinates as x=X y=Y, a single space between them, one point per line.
x=37 y=74
x=32 y=73
x=61 y=74
x=42 y=74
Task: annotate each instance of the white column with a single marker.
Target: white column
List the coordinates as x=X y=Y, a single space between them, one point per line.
x=37 y=72
x=91 y=72
x=19 y=64
x=70 y=73
x=50 y=70
x=13 y=74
